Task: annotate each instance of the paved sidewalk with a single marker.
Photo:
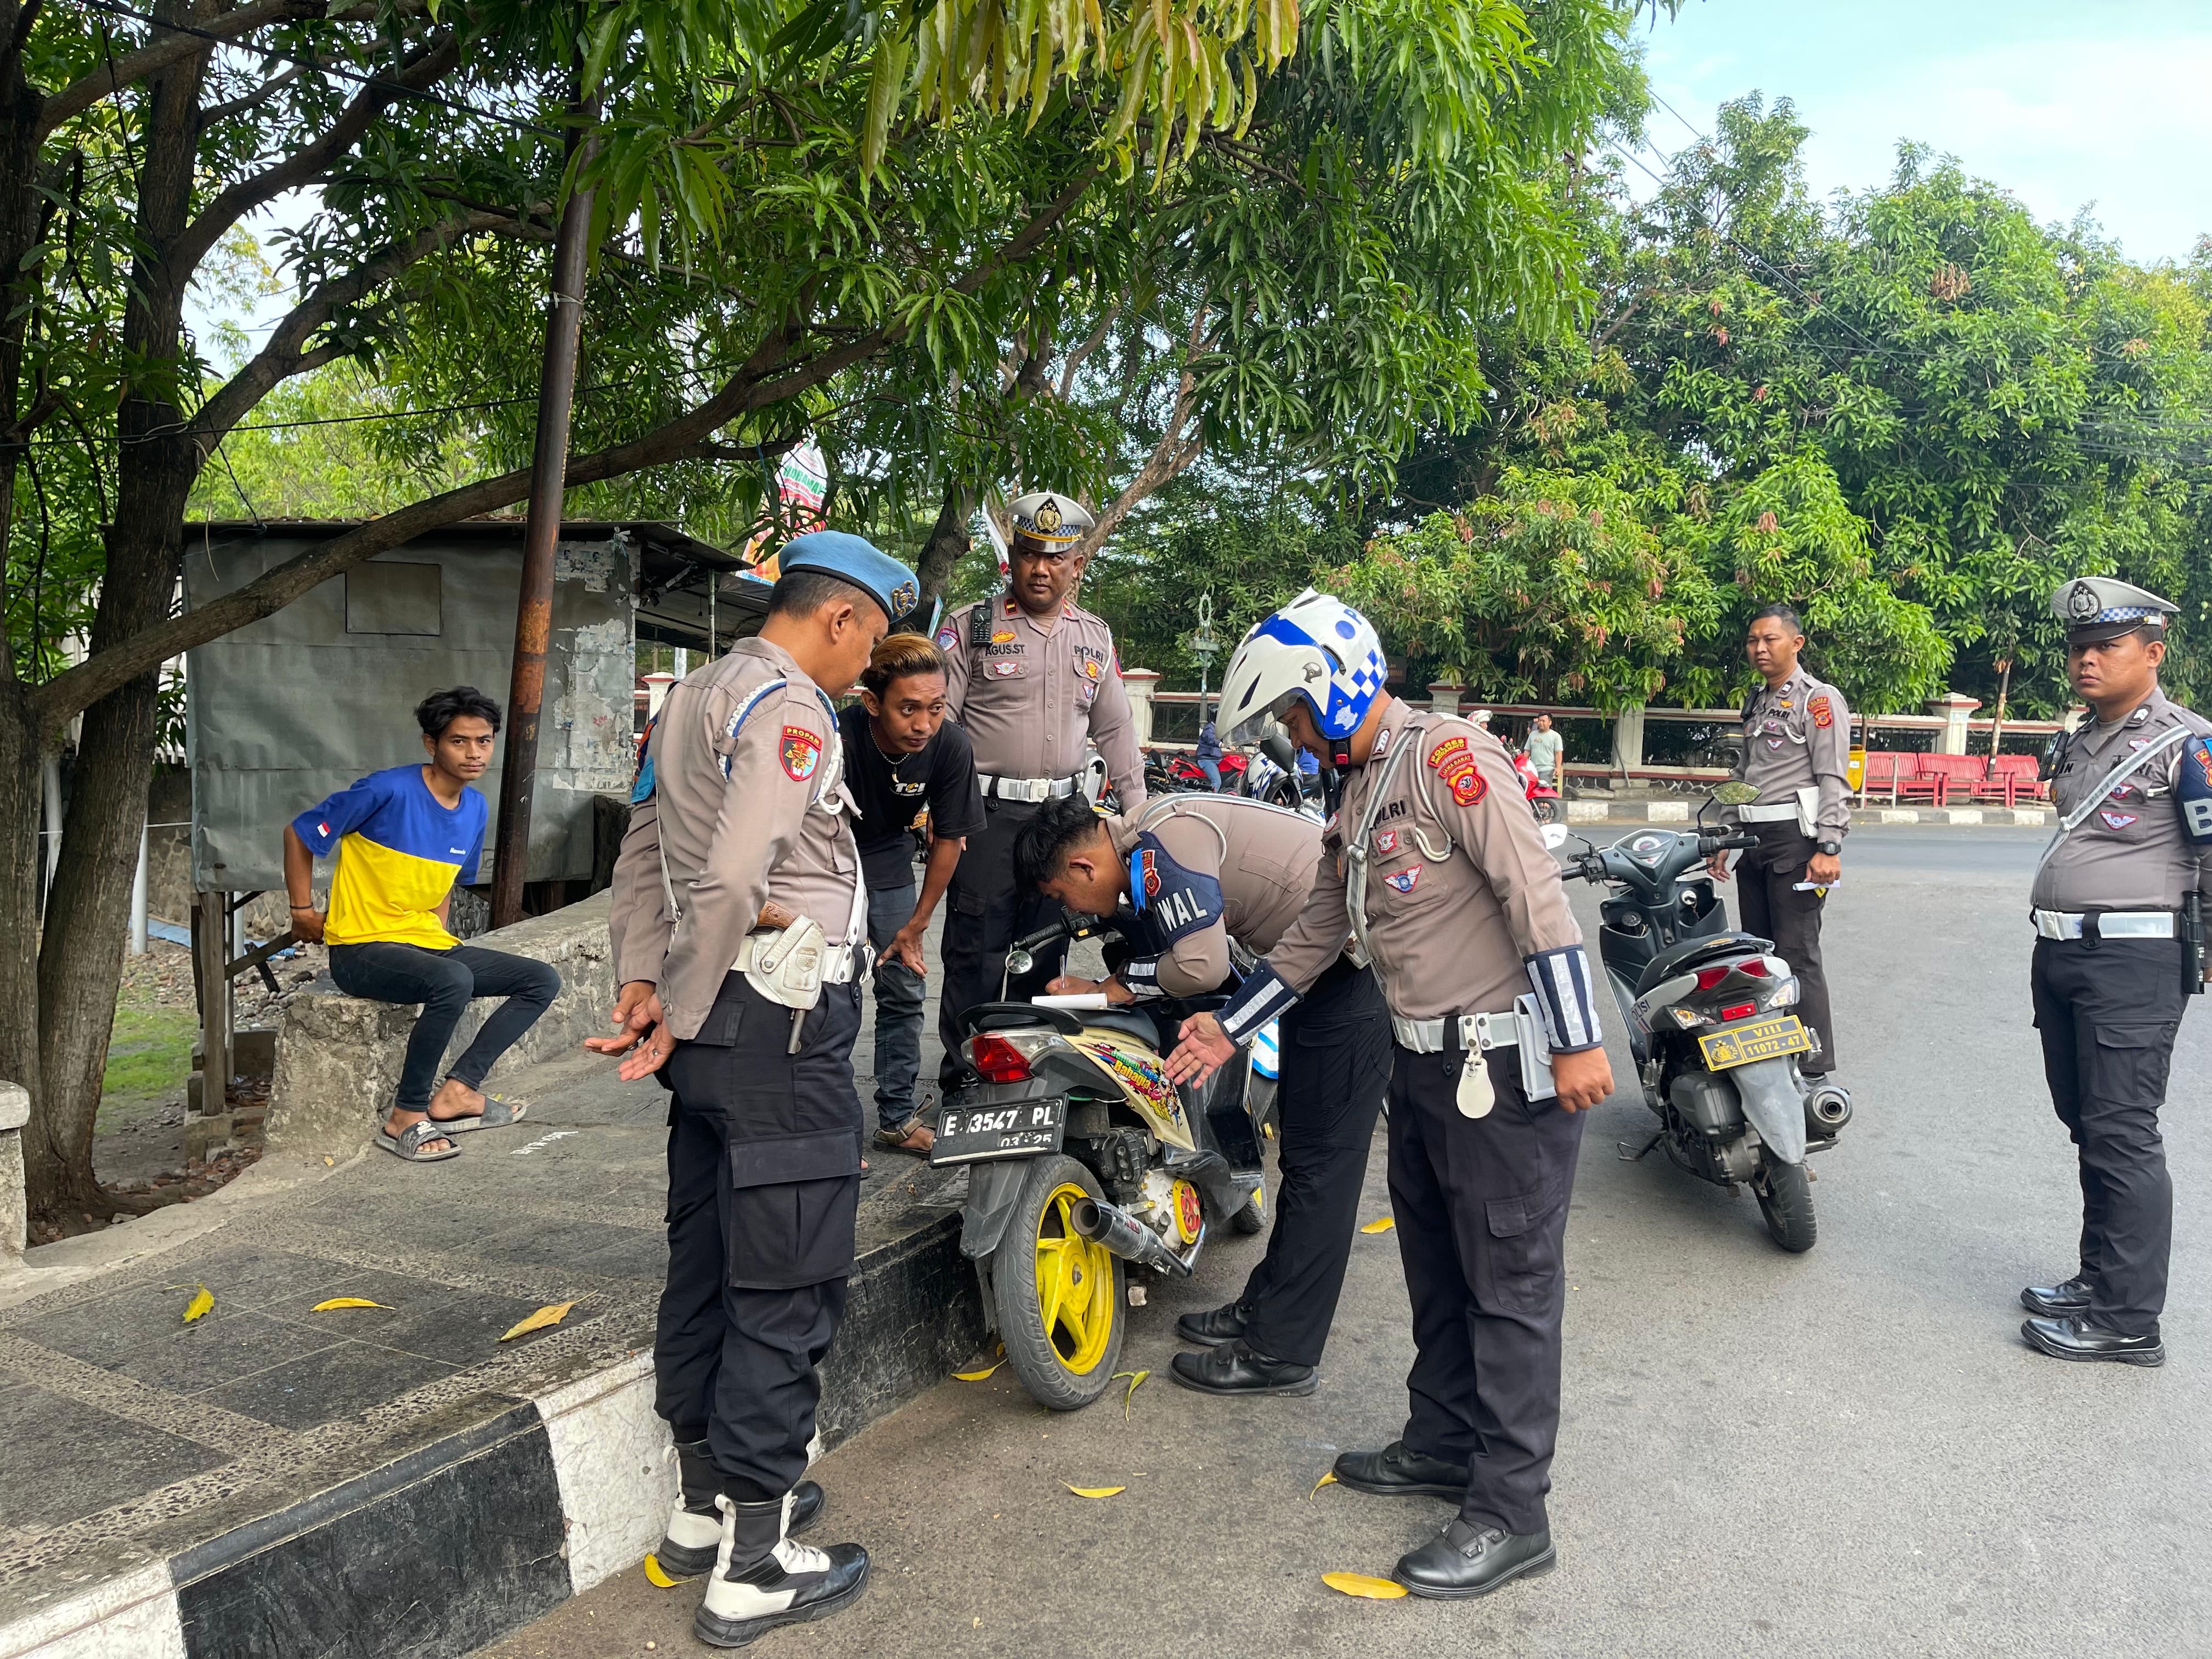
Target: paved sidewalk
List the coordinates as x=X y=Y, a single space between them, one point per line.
x=1685 y=810
x=208 y=1480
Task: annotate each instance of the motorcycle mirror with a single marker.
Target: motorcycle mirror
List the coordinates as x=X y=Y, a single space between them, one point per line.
x=1736 y=793
x=1020 y=961
x=1555 y=836
x=1277 y=748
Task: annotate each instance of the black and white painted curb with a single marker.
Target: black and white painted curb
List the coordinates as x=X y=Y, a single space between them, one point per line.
x=434 y=1554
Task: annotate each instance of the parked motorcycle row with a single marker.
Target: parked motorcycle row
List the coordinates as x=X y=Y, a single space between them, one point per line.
x=1090 y=1173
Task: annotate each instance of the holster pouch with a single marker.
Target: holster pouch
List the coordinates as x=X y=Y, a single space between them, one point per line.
x=786 y=964
x=1808 y=811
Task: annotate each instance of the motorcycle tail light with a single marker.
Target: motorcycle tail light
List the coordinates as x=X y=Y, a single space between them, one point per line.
x=997 y=1060
x=1740 y=1011
x=1709 y=977
x=1755 y=966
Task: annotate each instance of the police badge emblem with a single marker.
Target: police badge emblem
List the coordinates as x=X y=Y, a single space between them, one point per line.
x=802 y=753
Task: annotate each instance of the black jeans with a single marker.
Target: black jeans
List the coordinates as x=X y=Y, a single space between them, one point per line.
x=1766 y=881
x=443 y=981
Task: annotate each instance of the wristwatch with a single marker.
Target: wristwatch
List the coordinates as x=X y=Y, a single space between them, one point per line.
x=1833 y=849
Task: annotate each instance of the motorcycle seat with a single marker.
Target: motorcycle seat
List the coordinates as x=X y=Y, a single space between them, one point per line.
x=1129 y=1022
x=1694 y=953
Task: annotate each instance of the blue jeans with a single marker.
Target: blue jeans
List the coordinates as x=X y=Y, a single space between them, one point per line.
x=898 y=1009
x=444 y=982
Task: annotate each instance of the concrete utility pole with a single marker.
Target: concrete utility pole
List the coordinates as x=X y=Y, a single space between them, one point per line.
x=533 y=616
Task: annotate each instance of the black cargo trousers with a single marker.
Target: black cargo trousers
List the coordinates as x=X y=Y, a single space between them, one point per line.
x=2108 y=1011
x=764 y=1186
x=984 y=912
x=1770 y=905
x=1481 y=1211
x=1334 y=1066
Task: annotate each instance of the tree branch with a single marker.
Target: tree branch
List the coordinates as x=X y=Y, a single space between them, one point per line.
x=304 y=165
x=283 y=355
x=111 y=76
x=260 y=95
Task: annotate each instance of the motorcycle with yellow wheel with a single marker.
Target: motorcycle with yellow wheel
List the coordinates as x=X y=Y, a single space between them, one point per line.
x=1087 y=1166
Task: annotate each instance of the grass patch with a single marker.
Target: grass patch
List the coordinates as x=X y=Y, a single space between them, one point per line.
x=149 y=1057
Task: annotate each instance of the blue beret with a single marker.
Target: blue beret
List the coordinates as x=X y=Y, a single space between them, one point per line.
x=856 y=560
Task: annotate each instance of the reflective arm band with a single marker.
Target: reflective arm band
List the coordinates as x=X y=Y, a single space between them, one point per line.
x=1260 y=998
x=1141 y=974
x=1566 y=998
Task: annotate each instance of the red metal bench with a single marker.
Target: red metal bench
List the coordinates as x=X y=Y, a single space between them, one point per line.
x=2011 y=778
x=1884 y=768
x=1940 y=779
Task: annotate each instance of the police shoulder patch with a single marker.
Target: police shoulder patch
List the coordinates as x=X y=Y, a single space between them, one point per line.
x=802 y=753
x=1823 y=715
x=2192 y=790
x=948 y=638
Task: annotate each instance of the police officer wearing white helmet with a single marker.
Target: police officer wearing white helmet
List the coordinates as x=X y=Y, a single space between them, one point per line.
x=1030 y=675
x=1434 y=865
x=2117 y=910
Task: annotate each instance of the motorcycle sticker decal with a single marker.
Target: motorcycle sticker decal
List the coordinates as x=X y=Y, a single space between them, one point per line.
x=1139 y=1077
x=1405 y=880
x=2117 y=820
x=802 y=753
x=1009 y=669
x=1823 y=716
x=1385 y=843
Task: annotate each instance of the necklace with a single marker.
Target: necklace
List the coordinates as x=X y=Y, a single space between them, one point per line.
x=897 y=763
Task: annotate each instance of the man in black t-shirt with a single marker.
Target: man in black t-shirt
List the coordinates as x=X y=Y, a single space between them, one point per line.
x=902 y=759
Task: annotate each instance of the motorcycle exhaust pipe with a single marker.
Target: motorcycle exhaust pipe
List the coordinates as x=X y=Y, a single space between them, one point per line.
x=1125 y=1235
x=1827 y=1109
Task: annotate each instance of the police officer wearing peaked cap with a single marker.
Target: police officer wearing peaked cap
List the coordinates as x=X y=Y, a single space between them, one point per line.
x=738 y=929
x=1030 y=675
x=2115 y=904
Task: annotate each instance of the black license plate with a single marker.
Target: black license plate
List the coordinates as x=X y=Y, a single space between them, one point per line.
x=970 y=1134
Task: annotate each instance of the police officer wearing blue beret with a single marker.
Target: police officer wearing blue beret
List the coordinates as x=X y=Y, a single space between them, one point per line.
x=2118 y=948
x=739 y=935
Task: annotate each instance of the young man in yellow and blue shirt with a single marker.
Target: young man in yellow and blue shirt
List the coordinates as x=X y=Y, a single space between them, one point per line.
x=404 y=837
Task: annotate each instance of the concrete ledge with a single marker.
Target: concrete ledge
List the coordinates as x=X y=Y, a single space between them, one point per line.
x=1677 y=812
x=339 y=1058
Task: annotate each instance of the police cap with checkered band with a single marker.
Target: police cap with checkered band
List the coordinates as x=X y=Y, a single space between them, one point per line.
x=2098 y=608
x=1049 y=521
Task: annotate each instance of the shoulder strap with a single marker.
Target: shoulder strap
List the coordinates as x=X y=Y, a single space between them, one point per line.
x=2111 y=780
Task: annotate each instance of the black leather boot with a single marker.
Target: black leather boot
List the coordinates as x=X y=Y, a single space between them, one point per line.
x=2057 y=1301
x=1464 y=1560
x=1395 y=1472
x=1214 y=1327
x=2076 y=1338
x=1233 y=1368
x=764 y=1580
x=694 y=1536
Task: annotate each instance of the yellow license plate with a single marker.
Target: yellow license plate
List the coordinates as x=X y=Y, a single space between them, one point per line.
x=1763 y=1039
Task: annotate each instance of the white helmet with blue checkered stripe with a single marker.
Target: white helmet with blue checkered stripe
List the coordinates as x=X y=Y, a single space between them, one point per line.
x=1317 y=648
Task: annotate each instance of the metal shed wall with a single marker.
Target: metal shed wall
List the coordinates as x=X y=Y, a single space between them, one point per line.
x=281 y=713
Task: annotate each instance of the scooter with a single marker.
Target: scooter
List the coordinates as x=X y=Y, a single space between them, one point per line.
x=1543 y=798
x=1086 y=1165
x=1708 y=1015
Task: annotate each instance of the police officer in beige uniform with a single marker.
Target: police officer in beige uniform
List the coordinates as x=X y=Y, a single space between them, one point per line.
x=738 y=931
x=2118 y=909
x=1435 y=864
x=1796 y=752
x=1202 y=874
x=1030 y=675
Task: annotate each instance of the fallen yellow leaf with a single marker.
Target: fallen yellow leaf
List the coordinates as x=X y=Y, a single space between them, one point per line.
x=1326 y=1480
x=1358 y=1583
x=552 y=1314
x=1134 y=1377
x=198 y=1307
x=348 y=1302
x=1382 y=1226
x=975 y=1376
x=1094 y=1491
x=657 y=1575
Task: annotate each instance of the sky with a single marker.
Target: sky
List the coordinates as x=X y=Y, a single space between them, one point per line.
x=2098 y=103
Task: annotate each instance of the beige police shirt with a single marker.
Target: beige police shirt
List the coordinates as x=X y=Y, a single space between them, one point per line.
x=2131 y=852
x=1263 y=856
x=1461 y=891
x=1796 y=736
x=738 y=757
x=1029 y=693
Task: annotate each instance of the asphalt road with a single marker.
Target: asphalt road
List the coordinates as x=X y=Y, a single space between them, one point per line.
x=1849 y=1452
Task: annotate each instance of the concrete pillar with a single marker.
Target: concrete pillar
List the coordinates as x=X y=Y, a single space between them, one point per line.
x=1141 y=684
x=1953 y=710
x=656 y=690
x=1628 y=740
x=1444 y=696
x=15 y=1206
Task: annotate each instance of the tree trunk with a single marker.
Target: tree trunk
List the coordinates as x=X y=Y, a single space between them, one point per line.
x=88 y=909
x=948 y=540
